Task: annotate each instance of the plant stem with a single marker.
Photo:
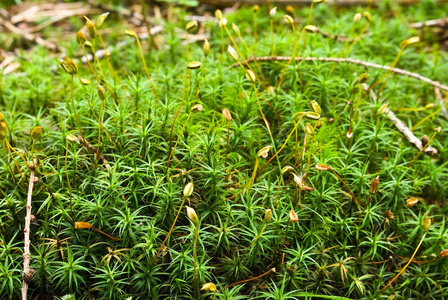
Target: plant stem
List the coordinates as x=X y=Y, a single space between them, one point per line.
x=267 y=126
x=222 y=46
x=309 y=14
x=272 y=35
x=171 y=229
x=249 y=182
x=178 y=138
x=283 y=146
x=253 y=278
x=105 y=234
x=90 y=65
x=293 y=55
x=109 y=64
x=286 y=234
x=145 y=67
x=8 y=145
x=385 y=76
x=278 y=190
x=255 y=240
x=74 y=108
x=7 y=161
x=251 y=55
x=68 y=180
x=148 y=27
x=367 y=205
x=95 y=59
x=309 y=157
x=242 y=56
x=99 y=134
x=227 y=144
x=349 y=190
x=200 y=79
x=195 y=258
x=404 y=268
x=96 y=117
x=178 y=110
x=255 y=30
x=425 y=119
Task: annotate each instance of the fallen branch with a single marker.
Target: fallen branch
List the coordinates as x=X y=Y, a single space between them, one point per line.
x=92 y=149
x=31 y=37
x=404 y=129
x=409 y=135
x=8 y=63
x=34 y=12
x=351 y=61
x=27 y=272
x=437 y=23
x=338 y=3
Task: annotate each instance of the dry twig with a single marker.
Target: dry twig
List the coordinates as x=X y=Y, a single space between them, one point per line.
x=27 y=272
x=31 y=37
x=431 y=23
x=8 y=63
x=352 y=61
x=338 y=3
x=404 y=129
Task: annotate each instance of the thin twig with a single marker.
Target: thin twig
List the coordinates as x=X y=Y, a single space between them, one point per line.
x=429 y=23
x=31 y=37
x=337 y=3
x=9 y=63
x=27 y=272
x=351 y=61
x=404 y=129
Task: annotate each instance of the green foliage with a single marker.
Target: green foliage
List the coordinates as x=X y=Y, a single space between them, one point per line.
x=131 y=198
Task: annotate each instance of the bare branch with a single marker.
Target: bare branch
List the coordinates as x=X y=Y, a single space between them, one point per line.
x=436 y=23
x=27 y=272
x=337 y=3
x=351 y=61
x=403 y=128
x=31 y=37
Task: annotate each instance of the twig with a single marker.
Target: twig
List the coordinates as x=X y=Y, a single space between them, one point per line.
x=9 y=63
x=31 y=37
x=439 y=23
x=27 y=272
x=92 y=149
x=35 y=12
x=351 y=61
x=404 y=129
x=442 y=103
x=337 y=3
